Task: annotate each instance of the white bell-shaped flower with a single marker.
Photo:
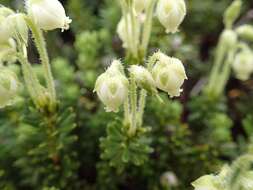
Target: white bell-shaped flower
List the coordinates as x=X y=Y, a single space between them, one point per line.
x=5 y=30
x=112 y=87
x=169 y=74
x=213 y=182
x=143 y=78
x=4 y=11
x=206 y=182
x=125 y=30
x=18 y=27
x=48 y=14
x=140 y=5
x=243 y=65
x=116 y=67
x=228 y=39
x=171 y=14
x=245 y=32
x=9 y=86
x=8 y=51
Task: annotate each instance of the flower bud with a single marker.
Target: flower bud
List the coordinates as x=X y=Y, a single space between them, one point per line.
x=4 y=11
x=18 y=27
x=243 y=65
x=169 y=179
x=9 y=86
x=8 y=51
x=112 y=87
x=140 y=5
x=5 y=30
x=245 y=32
x=206 y=182
x=169 y=74
x=213 y=182
x=125 y=31
x=228 y=39
x=171 y=14
x=48 y=14
x=143 y=78
x=232 y=13
x=115 y=68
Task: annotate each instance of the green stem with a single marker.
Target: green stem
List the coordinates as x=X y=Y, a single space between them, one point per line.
x=134 y=36
x=126 y=19
x=143 y=93
x=151 y=61
x=224 y=76
x=133 y=102
x=32 y=83
x=220 y=54
x=41 y=46
x=147 y=27
x=51 y=137
x=141 y=107
x=126 y=111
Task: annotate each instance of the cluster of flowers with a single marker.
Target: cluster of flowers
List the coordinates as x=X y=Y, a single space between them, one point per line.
x=46 y=15
x=243 y=60
x=233 y=41
x=166 y=73
x=235 y=176
x=170 y=13
x=162 y=72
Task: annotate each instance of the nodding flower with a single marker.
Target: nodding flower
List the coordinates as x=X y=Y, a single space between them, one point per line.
x=243 y=64
x=143 y=78
x=171 y=14
x=9 y=86
x=112 y=87
x=48 y=14
x=169 y=74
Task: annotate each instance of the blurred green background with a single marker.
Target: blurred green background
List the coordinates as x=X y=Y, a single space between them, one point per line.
x=191 y=136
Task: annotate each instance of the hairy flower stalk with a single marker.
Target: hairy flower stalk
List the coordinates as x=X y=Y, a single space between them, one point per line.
x=9 y=86
x=42 y=16
x=38 y=94
x=133 y=103
x=18 y=33
x=226 y=44
x=41 y=46
x=147 y=26
x=143 y=78
x=129 y=28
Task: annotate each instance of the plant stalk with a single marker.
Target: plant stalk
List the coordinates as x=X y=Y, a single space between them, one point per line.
x=41 y=46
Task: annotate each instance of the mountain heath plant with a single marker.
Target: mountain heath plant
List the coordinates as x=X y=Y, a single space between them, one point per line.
x=143 y=76
x=231 y=52
x=45 y=126
x=109 y=103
